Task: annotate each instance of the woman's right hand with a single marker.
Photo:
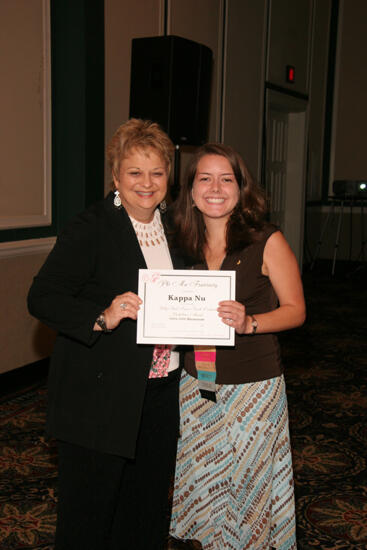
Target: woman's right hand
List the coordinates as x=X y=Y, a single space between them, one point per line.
x=122 y=306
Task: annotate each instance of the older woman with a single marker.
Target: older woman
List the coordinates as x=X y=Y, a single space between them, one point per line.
x=113 y=404
x=234 y=484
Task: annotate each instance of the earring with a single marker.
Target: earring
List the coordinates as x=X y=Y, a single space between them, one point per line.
x=163 y=207
x=117 y=201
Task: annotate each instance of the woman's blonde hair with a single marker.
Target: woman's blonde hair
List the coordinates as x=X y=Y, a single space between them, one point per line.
x=141 y=135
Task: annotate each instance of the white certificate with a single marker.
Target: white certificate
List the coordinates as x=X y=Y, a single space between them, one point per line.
x=180 y=307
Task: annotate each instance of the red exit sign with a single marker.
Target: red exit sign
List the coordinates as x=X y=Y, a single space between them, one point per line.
x=290 y=74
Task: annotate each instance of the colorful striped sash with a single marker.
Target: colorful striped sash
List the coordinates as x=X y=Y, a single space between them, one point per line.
x=205 y=357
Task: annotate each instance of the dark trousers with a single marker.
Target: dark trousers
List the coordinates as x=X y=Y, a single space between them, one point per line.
x=107 y=502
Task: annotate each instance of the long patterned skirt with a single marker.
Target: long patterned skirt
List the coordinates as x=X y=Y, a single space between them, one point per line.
x=234 y=480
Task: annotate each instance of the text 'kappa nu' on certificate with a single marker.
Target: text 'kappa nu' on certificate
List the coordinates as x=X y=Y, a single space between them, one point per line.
x=180 y=307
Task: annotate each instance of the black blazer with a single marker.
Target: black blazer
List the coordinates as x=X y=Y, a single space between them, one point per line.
x=97 y=381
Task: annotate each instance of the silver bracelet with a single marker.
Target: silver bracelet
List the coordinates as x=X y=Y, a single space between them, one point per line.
x=254 y=325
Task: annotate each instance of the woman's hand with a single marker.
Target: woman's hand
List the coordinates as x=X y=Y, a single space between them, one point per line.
x=122 y=306
x=233 y=314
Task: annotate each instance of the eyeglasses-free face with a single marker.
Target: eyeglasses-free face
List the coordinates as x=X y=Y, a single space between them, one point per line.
x=142 y=183
x=215 y=190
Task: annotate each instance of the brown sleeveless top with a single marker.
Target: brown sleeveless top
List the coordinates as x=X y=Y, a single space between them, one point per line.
x=256 y=357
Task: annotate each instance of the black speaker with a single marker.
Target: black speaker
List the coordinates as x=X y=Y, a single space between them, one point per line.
x=170 y=84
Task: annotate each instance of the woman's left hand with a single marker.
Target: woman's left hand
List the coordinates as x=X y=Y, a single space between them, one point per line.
x=233 y=314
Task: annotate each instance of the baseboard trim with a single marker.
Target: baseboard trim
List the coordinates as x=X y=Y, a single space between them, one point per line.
x=22 y=377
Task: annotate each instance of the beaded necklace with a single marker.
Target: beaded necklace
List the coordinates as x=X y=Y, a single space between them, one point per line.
x=150 y=234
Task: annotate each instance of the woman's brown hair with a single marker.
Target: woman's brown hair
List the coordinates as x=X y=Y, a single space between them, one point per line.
x=246 y=221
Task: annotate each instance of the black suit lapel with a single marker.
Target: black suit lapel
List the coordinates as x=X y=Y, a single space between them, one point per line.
x=124 y=234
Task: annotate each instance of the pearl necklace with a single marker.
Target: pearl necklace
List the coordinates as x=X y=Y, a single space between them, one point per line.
x=149 y=234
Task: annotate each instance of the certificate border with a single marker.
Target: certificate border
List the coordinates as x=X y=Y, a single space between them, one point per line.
x=226 y=339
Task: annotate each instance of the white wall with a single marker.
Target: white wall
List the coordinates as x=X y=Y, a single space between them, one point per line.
x=348 y=148
x=23 y=339
x=123 y=22
x=244 y=79
x=319 y=71
x=289 y=42
x=350 y=110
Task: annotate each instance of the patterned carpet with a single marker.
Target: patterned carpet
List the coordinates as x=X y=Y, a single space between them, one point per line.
x=28 y=472
x=327 y=390
x=326 y=373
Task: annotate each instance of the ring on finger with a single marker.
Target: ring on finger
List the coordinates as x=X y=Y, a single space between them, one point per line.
x=123 y=305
